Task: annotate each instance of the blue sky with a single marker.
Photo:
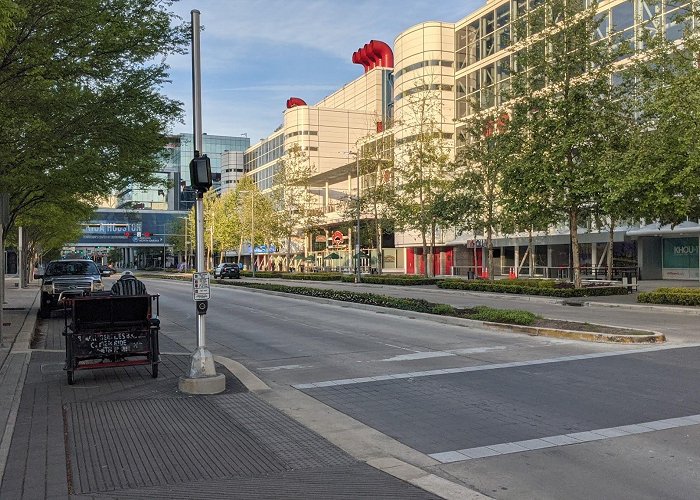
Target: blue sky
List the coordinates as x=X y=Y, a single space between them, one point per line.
x=258 y=53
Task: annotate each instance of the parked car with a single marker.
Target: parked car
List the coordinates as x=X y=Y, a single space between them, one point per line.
x=227 y=270
x=69 y=277
x=105 y=268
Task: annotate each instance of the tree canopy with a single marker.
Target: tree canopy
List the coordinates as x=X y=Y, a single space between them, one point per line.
x=80 y=96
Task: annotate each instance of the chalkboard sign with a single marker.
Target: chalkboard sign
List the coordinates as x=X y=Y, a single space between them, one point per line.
x=110 y=343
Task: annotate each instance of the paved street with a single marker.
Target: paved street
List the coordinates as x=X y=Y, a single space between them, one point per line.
x=510 y=415
x=356 y=395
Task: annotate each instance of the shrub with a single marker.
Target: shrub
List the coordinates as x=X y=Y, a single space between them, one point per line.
x=444 y=309
x=293 y=276
x=677 y=290
x=392 y=280
x=497 y=286
x=484 y=313
x=678 y=299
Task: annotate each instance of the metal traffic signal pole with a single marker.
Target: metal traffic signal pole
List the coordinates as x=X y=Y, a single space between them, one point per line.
x=202 y=378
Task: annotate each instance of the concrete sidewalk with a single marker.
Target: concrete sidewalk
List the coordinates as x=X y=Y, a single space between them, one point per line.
x=118 y=433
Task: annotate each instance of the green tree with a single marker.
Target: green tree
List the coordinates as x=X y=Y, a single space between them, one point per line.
x=292 y=197
x=227 y=224
x=80 y=84
x=665 y=159
x=421 y=168
x=479 y=174
x=561 y=86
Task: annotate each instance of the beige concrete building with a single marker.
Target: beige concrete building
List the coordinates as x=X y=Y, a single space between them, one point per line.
x=465 y=65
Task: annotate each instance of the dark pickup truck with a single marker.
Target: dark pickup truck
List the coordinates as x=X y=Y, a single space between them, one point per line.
x=68 y=278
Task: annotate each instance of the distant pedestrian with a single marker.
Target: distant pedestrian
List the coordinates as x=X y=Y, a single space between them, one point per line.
x=128 y=285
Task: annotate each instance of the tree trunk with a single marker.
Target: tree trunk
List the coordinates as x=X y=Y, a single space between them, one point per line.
x=489 y=245
x=425 y=254
x=531 y=255
x=611 y=243
x=573 y=230
x=378 y=236
x=431 y=253
x=476 y=270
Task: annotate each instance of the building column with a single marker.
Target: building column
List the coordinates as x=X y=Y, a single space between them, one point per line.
x=549 y=260
x=516 y=258
x=327 y=196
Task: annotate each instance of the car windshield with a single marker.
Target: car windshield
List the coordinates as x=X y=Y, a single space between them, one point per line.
x=77 y=268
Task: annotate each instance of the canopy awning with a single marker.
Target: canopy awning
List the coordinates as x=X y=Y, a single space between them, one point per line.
x=684 y=228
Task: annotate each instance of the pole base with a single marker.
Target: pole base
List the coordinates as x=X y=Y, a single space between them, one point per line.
x=202 y=385
x=202 y=378
x=202 y=363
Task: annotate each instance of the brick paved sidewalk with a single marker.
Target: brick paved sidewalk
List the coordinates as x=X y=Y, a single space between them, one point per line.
x=118 y=433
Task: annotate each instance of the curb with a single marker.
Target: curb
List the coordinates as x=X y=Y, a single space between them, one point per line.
x=24 y=337
x=20 y=345
x=393 y=466
x=246 y=377
x=652 y=337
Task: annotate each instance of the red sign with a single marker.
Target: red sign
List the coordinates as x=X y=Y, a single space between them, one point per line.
x=337 y=237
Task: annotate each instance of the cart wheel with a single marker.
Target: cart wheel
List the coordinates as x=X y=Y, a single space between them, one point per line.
x=154 y=370
x=71 y=378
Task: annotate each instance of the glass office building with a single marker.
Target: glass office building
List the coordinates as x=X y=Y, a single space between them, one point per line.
x=174 y=191
x=180 y=153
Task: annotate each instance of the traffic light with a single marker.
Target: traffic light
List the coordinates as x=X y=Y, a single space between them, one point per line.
x=200 y=173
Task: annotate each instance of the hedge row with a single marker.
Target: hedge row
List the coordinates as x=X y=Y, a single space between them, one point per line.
x=294 y=276
x=695 y=291
x=487 y=286
x=533 y=283
x=392 y=280
x=481 y=313
x=678 y=299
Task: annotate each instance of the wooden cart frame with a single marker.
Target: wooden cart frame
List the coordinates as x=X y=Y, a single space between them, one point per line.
x=106 y=331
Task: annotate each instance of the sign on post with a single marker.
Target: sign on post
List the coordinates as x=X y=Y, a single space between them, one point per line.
x=200 y=286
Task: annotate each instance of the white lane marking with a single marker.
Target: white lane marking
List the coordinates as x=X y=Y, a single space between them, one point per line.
x=419 y=355
x=441 y=354
x=283 y=367
x=491 y=450
x=494 y=366
x=477 y=350
x=399 y=347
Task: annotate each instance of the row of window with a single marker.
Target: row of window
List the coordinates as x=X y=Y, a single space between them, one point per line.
x=421 y=88
x=300 y=132
x=421 y=64
x=493 y=31
x=265 y=152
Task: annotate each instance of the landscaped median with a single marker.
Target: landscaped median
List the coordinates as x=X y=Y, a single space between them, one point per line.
x=514 y=320
x=671 y=296
x=549 y=288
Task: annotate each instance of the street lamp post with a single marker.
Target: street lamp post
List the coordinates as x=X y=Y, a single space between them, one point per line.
x=252 y=231
x=357 y=227
x=252 y=228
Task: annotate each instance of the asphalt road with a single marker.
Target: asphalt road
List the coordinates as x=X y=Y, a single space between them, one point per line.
x=678 y=327
x=509 y=415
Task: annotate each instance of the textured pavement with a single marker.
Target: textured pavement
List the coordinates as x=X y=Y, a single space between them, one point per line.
x=448 y=412
x=118 y=433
